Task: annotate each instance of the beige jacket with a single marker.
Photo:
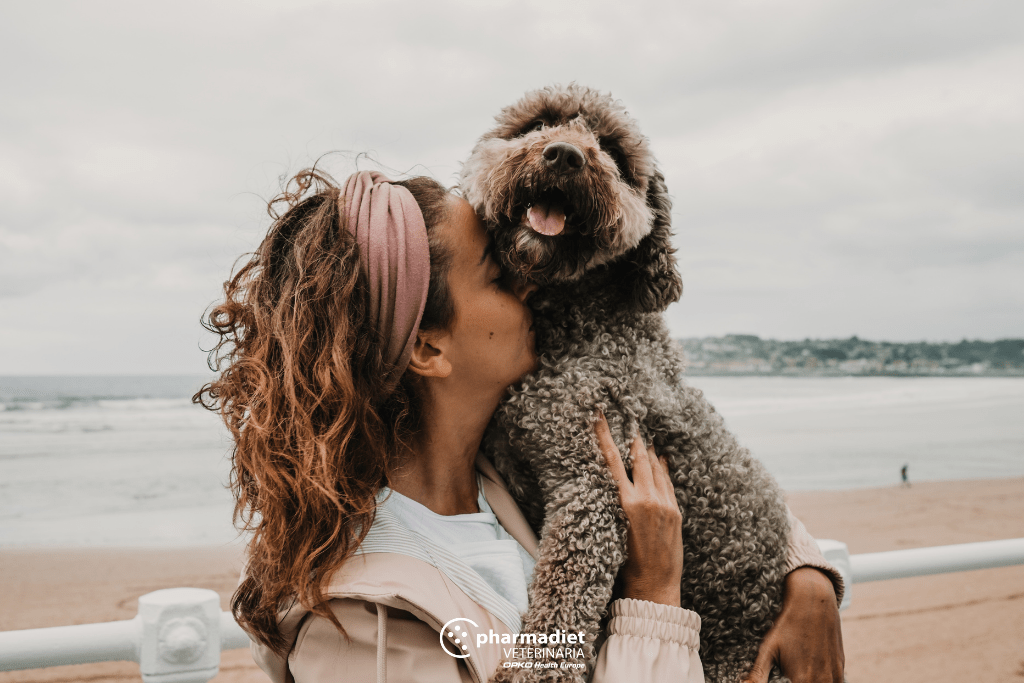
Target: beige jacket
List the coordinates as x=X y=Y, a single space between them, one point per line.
x=394 y=605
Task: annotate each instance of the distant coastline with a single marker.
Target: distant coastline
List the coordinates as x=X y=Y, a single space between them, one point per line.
x=749 y=355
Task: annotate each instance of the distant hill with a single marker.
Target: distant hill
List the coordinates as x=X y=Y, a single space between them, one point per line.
x=747 y=354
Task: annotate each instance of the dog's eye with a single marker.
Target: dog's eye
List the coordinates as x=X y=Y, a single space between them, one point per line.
x=620 y=160
x=531 y=127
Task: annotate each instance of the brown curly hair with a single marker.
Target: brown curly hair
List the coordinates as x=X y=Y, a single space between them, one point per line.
x=301 y=388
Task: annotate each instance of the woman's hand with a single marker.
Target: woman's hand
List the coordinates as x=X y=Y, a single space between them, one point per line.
x=806 y=640
x=654 y=546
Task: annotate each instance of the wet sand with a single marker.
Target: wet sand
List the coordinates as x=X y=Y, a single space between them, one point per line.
x=954 y=627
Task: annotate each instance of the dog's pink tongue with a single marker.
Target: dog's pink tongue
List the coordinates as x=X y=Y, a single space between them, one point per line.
x=547 y=220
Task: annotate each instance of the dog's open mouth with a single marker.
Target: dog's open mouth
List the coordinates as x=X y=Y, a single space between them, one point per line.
x=547 y=213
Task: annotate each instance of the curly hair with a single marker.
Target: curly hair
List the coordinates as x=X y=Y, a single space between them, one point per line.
x=301 y=388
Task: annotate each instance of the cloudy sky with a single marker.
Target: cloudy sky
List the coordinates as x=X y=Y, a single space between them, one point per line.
x=838 y=168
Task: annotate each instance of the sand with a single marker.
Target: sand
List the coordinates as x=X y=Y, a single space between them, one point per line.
x=954 y=627
x=61 y=587
x=967 y=626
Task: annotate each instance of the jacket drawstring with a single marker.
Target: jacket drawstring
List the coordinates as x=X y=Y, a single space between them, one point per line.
x=382 y=643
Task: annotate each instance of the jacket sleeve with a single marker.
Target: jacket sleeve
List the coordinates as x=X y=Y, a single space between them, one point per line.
x=650 y=643
x=323 y=655
x=804 y=552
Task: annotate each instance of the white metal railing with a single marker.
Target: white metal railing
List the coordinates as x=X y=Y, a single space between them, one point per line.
x=177 y=637
x=900 y=564
x=178 y=634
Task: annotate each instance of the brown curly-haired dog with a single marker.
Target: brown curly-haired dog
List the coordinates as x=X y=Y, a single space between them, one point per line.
x=569 y=189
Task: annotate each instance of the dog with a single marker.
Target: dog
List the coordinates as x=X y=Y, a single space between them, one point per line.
x=569 y=190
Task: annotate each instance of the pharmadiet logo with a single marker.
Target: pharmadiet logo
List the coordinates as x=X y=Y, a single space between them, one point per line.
x=460 y=634
x=526 y=647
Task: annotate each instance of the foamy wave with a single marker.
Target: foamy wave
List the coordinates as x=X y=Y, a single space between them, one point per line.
x=151 y=470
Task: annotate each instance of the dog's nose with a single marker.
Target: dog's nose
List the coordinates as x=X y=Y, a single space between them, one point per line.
x=561 y=157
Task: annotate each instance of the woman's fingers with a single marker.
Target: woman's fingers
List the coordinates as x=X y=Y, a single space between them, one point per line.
x=610 y=452
x=654 y=564
x=661 y=474
x=766 y=657
x=659 y=481
x=650 y=473
x=643 y=477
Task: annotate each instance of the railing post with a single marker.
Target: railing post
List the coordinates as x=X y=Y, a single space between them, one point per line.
x=180 y=635
x=838 y=555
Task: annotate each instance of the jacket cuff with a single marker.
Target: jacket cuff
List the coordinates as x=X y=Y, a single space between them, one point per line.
x=804 y=552
x=645 y=619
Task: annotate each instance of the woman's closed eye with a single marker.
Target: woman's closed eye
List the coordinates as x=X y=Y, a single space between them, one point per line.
x=503 y=280
x=497 y=274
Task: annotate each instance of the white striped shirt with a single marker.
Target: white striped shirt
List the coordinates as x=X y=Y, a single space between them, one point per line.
x=474 y=550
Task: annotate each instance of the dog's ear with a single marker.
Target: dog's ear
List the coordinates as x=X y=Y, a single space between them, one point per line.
x=648 y=271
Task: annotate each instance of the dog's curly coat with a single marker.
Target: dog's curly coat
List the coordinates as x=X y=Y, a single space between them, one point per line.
x=570 y=191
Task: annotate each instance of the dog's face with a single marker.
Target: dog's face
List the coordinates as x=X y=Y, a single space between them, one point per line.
x=563 y=182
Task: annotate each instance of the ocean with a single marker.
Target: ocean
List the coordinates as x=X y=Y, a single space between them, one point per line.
x=129 y=461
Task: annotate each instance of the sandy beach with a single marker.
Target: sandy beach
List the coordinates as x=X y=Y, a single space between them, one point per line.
x=955 y=627
x=967 y=626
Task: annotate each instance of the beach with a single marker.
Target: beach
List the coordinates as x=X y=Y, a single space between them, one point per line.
x=967 y=626
x=953 y=627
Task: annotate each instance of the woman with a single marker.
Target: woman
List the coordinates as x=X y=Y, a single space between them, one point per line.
x=367 y=344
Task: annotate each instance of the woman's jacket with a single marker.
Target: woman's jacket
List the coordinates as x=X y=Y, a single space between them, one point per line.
x=400 y=596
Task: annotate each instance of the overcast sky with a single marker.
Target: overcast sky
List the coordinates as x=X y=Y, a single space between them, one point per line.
x=838 y=168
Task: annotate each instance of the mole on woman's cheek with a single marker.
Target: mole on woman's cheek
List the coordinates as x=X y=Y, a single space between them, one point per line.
x=490 y=334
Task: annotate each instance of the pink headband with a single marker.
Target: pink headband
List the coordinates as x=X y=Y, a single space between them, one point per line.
x=395 y=257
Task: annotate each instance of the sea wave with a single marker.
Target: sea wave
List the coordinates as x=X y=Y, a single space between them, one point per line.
x=105 y=467
x=60 y=392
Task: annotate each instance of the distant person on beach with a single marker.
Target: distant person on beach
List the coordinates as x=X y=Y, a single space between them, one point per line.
x=903 y=474
x=364 y=348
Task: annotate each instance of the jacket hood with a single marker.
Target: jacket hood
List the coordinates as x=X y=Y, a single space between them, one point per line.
x=393 y=570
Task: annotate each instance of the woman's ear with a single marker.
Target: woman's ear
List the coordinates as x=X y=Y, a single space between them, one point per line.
x=649 y=270
x=429 y=354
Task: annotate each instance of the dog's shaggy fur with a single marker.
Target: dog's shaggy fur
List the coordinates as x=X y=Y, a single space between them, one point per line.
x=606 y=278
